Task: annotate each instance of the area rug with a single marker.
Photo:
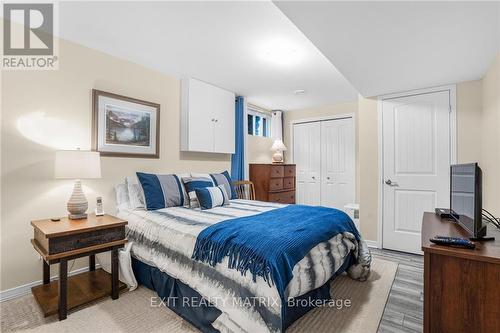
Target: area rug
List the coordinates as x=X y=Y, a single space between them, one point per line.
x=358 y=308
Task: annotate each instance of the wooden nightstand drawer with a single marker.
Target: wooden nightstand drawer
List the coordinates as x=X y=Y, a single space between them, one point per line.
x=283 y=197
x=277 y=171
x=72 y=242
x=275 y=184
x=289 y=183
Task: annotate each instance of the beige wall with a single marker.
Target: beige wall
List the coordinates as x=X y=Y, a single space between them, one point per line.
x=469 y=121
x=490 y=157
x=259 y=149
x=368 y=167
x=43 y=111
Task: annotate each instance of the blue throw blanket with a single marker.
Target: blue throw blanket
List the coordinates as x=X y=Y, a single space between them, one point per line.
x=270 y=244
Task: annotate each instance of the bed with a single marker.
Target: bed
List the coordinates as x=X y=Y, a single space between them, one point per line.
x=215 y=298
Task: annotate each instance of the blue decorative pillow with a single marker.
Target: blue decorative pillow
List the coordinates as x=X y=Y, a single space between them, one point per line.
x=162 y=191
x=193 y=183
x=225 y=179
x=210 y=197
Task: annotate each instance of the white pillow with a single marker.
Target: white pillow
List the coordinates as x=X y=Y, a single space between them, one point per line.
x=135 y=193
x=125 y=272
x=122 y=200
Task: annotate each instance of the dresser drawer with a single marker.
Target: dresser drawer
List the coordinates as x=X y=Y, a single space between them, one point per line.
x=277 y=171
x=283 y=197
x=275 y=184
x=289 y=182
x=289 y=170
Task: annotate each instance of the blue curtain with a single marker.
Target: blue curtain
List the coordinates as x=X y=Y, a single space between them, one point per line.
x=238 y=158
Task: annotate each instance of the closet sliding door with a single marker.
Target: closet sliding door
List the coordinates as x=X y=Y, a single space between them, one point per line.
x=307 y=157
x=324 y=154
x=337 y=163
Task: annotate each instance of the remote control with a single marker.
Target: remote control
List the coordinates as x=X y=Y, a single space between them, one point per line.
x=453 y=241
x=447 y=237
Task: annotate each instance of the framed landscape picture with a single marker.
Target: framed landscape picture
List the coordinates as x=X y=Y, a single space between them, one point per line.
x=124 y=126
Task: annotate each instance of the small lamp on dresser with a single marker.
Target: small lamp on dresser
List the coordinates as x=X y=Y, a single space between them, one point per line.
x=278 y=148
x=77 y=164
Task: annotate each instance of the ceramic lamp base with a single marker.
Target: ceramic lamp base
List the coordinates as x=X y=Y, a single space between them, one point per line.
x=77 y=216
x=77 y=204
x=278 y=157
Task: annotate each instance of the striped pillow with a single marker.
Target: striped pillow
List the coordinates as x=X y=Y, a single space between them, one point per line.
x=210 y=197
x=191 y=184
x=225 y=179
x=162 y=191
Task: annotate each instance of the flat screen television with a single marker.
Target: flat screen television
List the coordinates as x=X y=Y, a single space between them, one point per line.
x=466 y=198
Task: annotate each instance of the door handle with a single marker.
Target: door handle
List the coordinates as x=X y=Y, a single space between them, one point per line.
x=313 y=177
x=391 y=183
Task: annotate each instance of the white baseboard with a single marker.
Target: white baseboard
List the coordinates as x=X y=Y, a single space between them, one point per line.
x=372 y=243
x=25 y=289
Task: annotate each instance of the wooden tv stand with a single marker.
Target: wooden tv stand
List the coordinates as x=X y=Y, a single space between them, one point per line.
x=461 y=286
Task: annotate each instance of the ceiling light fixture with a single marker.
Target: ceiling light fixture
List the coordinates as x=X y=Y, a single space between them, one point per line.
x=299 y=92
x=280 y=52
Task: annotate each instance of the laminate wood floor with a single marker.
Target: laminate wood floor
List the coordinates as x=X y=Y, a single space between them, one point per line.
x=405 y=306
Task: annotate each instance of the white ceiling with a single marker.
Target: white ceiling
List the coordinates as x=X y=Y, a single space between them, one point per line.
x=217 y=42
x=385 y=47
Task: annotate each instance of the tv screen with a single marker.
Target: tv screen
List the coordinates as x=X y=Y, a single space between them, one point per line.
x=466 y=196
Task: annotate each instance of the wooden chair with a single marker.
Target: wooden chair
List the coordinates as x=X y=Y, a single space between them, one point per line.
x=244 y=189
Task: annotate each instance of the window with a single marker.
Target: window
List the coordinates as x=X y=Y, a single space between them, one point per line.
x=259 y=121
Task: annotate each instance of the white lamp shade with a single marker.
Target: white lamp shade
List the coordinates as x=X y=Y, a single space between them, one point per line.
x=278 y=145
x=77 y=164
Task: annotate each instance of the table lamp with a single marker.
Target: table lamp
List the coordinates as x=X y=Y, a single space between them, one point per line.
x=77 y=164
x=278 y=147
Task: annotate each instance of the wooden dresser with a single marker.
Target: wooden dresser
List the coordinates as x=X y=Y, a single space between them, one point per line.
x=274 y=182
x=461 y=286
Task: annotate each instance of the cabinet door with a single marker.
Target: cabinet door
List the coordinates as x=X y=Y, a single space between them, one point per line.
x=307 y=157
x=201 y=117
x=224 y=115
x=337 y=163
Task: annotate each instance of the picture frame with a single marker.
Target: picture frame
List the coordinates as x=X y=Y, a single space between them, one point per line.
x=124 y=126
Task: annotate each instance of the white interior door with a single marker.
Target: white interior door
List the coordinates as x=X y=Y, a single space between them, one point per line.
x=416 y=157
x=337 y=163
x=307 y=157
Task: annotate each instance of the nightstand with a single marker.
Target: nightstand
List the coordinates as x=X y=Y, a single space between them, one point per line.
x=63 y=240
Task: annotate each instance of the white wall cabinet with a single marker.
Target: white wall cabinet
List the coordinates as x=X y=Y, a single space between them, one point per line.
x=207 y=118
